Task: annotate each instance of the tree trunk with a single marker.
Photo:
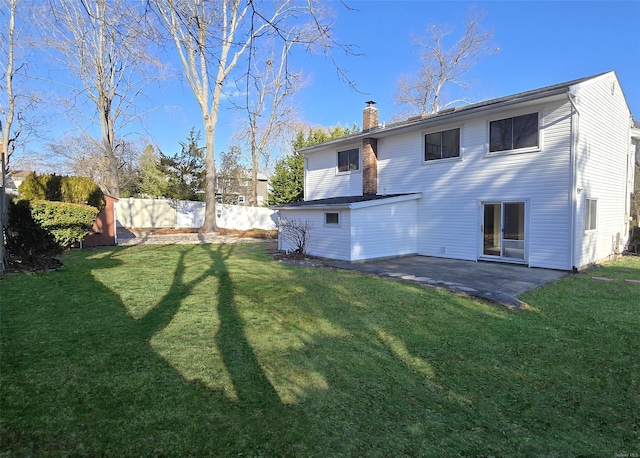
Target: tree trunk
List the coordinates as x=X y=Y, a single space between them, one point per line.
x=255 y=156
x=108 y=143
x=3 y=210
x=210 y=179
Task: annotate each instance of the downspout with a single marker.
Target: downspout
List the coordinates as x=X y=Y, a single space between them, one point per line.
x=573 y=158
x=627 y=195
x=115 y=224
x=304 y=179
x=634 y=134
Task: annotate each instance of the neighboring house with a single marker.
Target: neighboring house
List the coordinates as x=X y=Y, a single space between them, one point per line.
x=14 y=179
x=541 y=178
x=234 y=191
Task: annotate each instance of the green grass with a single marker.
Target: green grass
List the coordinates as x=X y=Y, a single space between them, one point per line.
x=218 y=350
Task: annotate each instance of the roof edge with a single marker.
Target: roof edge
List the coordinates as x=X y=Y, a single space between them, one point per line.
x=520 y=97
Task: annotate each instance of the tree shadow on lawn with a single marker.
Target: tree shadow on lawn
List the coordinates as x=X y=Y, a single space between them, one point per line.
x=102 y=389
x=348 y=377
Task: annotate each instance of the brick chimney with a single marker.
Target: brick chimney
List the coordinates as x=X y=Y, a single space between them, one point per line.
x=370 y=116
x=369 y=151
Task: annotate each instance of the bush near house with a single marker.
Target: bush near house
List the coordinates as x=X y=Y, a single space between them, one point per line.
x=38 y=230
x=634 y=240
x=54 y=213
x=77 y=190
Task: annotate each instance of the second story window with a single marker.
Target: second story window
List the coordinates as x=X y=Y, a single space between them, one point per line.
x=348 y=160
x=442 y=145
x=514 y=133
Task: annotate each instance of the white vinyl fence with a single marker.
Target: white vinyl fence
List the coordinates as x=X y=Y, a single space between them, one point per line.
x=170 y=213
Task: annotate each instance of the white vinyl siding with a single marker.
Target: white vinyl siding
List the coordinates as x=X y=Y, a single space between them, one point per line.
x=384 y=230
x=452 y=191
x=603 y=150
x=370 y=230
x=322 y=179
x=325 y=240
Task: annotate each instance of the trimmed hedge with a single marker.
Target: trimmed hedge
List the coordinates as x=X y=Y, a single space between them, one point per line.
x=68 y=223
x=38 y=230
x=77 y=190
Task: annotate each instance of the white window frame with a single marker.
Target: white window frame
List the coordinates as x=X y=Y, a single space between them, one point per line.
x=446 y=159
x=347 y=172
x=338 y=224
x=529 y=149
x=590 y=221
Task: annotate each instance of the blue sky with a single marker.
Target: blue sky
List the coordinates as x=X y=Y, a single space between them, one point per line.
x=541 y=43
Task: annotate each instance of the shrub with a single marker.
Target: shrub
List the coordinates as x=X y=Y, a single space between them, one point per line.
x=37 y=230
x=295 y=233
x=77 y=190
x=27 y=243
x=68 y=223
x=633 y=246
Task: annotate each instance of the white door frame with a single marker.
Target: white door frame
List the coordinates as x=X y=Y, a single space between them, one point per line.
x=515 y=250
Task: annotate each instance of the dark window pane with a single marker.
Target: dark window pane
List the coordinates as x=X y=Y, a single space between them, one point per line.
x=514 y=221
x=500 y=138
x=451 y=143
x=432 y=146
x=354 y=163
x=331 y=218
x=343 y=161
x=525 y=131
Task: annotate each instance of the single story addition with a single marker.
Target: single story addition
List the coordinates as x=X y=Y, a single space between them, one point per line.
x=541 y=178
x=356 y=228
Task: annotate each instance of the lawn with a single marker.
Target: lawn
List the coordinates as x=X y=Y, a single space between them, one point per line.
x=197 y=350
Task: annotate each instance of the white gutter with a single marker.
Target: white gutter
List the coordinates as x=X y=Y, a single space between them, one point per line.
x=352 y=205
x=573 y=158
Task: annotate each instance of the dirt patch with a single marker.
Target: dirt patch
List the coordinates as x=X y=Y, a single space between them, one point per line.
x=252 y=233
x=300 y=259
x=39 y=264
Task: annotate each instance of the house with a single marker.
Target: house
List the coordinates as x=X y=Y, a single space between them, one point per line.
x=542 y=178
x=235 y=190
x=14 y=179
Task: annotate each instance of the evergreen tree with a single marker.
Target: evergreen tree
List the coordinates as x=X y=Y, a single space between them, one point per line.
x=287 y=181
x=153 y=182
x=185 y=171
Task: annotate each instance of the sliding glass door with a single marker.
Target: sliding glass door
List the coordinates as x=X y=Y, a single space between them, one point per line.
x=503 y=230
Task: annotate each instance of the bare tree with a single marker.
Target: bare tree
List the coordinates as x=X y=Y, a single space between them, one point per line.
x=9 y=72
x=231 y=177
x=15 y=101
x=212 y=36
x=82 y=155
x=443 y=66
x=98 y=42
x=268 y=116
